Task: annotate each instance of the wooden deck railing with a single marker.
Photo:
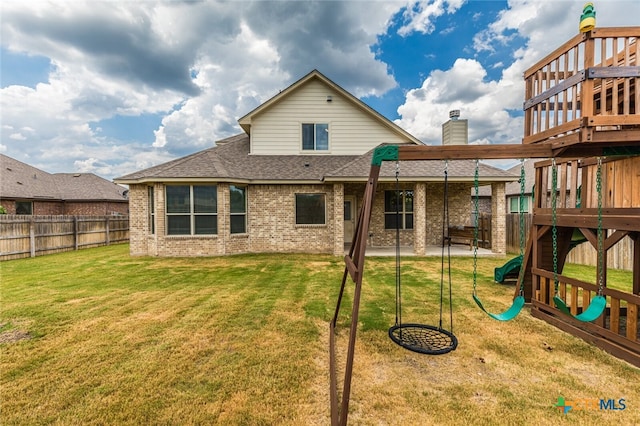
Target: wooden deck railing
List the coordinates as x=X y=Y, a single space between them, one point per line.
x=617 y=328
x=588 y=84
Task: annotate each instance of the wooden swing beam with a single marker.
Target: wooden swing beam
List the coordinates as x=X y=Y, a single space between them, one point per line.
x=498 y=152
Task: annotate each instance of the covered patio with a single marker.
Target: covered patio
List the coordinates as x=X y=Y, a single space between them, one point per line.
x=432 y=250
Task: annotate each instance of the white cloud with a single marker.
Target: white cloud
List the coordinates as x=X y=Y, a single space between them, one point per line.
x=463 y=87
x=487 y=103
x=419 y=15
x=161 y=138
x=203 y=64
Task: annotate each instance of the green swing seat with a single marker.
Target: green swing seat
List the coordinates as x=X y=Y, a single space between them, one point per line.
x=593 y=311
x=507 y=315
x=599 y=303
x=518 y=301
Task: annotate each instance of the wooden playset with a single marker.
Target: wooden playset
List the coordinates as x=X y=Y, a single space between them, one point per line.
x=582 y=118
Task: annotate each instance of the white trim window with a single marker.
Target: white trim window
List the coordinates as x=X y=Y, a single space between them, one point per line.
x=310 y=209
x=152 y=211
x=514 y=204
x=238 y=209
x=315 y=136
x=405 y=209
x=192 y=209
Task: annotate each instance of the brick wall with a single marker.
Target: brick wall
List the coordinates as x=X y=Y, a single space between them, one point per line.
x=138 y=222
x=428 y=201
x=458 y=206
x=271 y=223
x=272 y=226
x=379 y=236
x=105 y=208
x=498 y=219
x=44 y=208
x=47 y=208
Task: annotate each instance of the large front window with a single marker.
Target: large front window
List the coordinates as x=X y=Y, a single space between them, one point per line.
x=238 y=195
x=398 y=207
x=310 y=209
x=192 y=210
x=315 y=137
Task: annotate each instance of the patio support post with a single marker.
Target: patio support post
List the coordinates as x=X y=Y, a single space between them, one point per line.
x=420 y=219
x=498 y=218
x=338 y=219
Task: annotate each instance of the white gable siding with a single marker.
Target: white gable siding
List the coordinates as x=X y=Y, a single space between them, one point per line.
x=352 y=131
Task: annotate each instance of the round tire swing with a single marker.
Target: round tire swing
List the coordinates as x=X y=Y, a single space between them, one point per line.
x=422 y=338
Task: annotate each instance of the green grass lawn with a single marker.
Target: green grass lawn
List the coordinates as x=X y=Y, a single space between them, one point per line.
x=98 y=337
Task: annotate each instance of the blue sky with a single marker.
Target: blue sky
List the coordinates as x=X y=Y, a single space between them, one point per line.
x=111 y=87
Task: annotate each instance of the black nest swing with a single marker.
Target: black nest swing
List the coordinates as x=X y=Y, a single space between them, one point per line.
x=422 y=338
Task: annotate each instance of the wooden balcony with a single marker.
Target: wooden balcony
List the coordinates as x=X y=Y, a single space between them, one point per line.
x=586 y=91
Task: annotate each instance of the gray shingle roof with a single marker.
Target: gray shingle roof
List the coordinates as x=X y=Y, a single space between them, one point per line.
x=22 y=181
x=231 y=160
x=428 y=170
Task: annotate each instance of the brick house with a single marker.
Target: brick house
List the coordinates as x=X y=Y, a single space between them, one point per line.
x=293 y=182
x=27 y=190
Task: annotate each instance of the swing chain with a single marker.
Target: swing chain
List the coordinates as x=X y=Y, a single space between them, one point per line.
x=521 y=211
x=521 y=217
x=554 y=229
x=601 y=253
x=398 y=268
x=476 y=184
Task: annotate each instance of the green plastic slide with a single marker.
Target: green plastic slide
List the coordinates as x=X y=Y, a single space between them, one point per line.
x=511 y=269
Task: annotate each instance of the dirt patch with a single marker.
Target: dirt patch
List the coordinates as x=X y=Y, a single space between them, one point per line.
x=13 y=330
x=13 y=336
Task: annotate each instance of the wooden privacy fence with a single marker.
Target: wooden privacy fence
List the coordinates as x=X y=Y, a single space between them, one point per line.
x=30 y=236
x=618 y=257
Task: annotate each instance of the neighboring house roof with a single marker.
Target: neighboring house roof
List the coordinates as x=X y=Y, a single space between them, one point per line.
x=245 y=121
x=22 y=181
x=513 y=188
x=87 y=186
x=231 y=161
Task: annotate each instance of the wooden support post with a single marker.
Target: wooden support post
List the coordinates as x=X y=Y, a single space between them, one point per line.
x=32 y=237
x=107 y=237
x=76 y=237
x=636 y=263
x=354 y=268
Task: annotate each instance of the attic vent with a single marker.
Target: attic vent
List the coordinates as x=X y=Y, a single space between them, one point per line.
x=19 y=183
x=76 y=175
x=9 y=168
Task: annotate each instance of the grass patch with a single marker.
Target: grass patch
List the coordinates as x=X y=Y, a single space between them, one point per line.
x=103 y=338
